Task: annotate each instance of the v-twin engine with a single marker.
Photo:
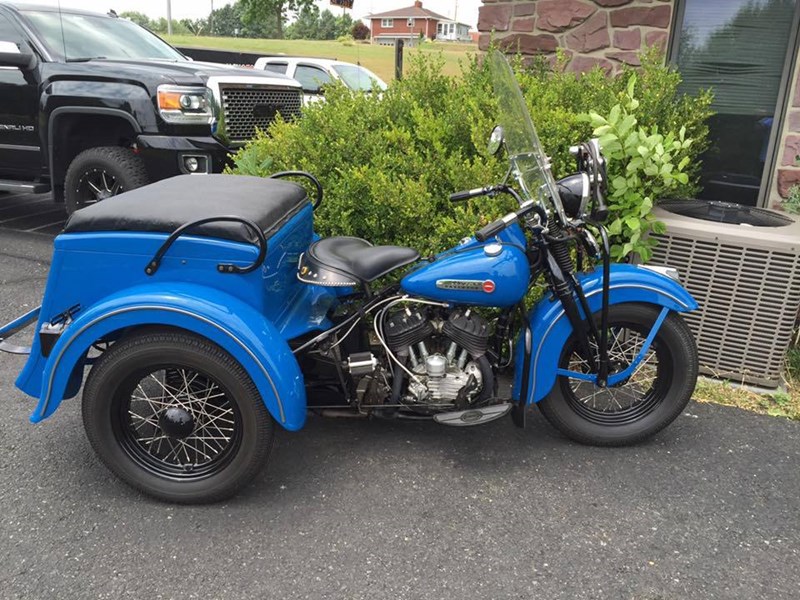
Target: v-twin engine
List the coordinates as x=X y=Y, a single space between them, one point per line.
x=446 y=357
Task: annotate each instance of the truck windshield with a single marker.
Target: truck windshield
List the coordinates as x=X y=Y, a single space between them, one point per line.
x=358 y=78
x=83 y=37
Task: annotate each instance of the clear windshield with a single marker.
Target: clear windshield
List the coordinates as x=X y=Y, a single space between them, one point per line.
x=529 y=163
x=81 y=37
x=358 y=78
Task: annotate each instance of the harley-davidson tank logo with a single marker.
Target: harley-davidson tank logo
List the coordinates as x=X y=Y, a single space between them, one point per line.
x=467 y=285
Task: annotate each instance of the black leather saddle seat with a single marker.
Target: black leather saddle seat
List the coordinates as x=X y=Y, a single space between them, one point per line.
x=166 y=205
x=358 y=258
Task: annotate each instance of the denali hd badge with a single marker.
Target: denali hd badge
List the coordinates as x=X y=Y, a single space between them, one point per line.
x=27 y=128
x=467 y=285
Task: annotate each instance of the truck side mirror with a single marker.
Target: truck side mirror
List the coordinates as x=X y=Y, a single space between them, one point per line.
x=12 y=56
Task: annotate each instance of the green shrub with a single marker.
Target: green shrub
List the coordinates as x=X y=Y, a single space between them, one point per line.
x=389 y=162
x=643 y=165
x=792 y=203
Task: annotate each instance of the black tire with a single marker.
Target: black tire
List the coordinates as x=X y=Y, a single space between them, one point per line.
x=209 y=409
x=99 y=173
x=637 y=408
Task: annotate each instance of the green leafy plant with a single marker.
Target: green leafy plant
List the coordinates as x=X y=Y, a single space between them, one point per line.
x=792 y=202
x=388 y=162
x=643 y=166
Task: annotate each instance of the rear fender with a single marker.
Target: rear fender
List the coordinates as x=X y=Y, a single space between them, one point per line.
x=219 y=317
x=551 y=327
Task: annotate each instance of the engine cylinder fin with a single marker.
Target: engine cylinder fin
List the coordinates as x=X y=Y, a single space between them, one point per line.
x=469 y=330
x=406 y=328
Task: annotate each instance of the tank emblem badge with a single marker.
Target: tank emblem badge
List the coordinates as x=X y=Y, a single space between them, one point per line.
x=466 y=285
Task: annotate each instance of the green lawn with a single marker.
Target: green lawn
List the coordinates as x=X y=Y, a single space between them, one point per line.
x=379 y=59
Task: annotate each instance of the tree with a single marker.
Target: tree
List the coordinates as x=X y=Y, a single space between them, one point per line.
x=138 y=18
x=360 y=31
x=344 y=23
x=306 y=26
x=327 y=26
x=197 y=27
x=270 y=11
x=227 y=21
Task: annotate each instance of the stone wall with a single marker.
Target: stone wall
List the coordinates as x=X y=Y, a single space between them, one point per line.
x=607 y=33
x=788 y=173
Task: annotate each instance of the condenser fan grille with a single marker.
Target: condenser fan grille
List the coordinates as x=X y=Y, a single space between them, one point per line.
x=748 y=300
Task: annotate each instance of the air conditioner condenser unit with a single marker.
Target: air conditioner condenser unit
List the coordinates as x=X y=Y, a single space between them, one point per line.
x=742 y=265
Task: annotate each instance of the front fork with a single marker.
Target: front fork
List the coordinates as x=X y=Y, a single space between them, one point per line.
x=567 y=288
x=569 y=292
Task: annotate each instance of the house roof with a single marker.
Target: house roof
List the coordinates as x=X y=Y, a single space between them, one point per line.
x=411 y=12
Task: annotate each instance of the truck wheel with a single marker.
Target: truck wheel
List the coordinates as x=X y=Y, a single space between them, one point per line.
x=176 y=417
x=99 y=173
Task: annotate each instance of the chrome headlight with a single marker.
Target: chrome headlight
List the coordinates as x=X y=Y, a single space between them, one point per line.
x=184 y=105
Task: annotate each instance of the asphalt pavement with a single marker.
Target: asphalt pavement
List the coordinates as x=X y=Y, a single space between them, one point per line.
x=361 y=509
x=36 y=213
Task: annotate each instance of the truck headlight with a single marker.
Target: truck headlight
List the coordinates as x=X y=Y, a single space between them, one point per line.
x=184 y=105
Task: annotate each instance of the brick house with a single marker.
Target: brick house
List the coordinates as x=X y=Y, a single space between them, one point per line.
x=412 y=22
x=746 y=51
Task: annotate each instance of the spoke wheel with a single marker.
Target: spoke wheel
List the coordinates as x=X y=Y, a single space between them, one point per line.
x=96 y=185
x=176 y=417
x=177 y=422
x=639 y=406
x=630 y=399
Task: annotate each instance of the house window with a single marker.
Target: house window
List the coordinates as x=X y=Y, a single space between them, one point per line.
x=410 y=23
x=739 y=49
x=387 y=23
x=438 y=29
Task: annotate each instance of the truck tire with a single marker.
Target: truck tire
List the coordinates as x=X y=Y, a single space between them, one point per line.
x=99 y=173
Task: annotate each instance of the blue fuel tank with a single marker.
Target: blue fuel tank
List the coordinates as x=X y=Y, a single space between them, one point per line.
x=493 y=274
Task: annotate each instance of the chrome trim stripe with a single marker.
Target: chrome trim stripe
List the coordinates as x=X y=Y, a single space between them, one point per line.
x=46 y=395
x=561 y=314
x=20 y=148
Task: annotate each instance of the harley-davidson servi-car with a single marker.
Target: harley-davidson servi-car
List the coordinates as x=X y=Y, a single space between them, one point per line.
x=202 y=331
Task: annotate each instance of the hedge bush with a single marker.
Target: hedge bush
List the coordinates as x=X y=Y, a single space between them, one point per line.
x=388 y=162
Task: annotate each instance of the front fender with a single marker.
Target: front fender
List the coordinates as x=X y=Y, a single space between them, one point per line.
x=551 y=327
x=221 y=318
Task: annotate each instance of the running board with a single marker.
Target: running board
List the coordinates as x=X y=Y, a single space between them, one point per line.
x=27 y=187
x=473 y=416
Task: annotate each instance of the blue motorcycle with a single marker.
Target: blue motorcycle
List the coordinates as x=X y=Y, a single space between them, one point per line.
x=200 y=332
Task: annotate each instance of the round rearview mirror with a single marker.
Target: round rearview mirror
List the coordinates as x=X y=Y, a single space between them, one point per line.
x=496 y=140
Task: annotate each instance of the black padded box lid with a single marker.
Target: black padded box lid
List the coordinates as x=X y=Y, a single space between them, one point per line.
x=166 y=205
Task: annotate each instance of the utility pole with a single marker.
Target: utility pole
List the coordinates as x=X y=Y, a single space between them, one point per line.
x=169 y=17
x=211 y=20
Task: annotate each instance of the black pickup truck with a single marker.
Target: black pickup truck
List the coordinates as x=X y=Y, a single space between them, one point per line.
x=92 y=105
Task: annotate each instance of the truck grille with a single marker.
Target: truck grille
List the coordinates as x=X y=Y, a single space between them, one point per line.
x=248 y=108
